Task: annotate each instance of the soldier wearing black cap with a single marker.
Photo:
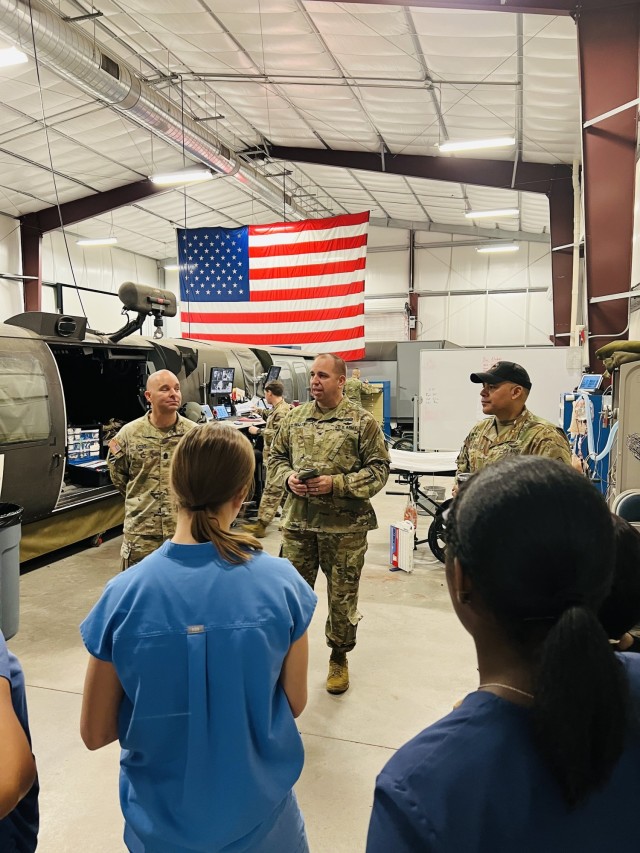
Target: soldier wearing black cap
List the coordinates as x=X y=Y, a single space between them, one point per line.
x=512 y=429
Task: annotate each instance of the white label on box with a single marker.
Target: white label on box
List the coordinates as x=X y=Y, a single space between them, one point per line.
x=401 y=541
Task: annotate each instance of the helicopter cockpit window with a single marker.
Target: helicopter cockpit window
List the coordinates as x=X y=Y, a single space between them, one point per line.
x=24 y=400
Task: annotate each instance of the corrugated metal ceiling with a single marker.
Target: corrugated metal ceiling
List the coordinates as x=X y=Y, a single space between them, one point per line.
x=294 y=73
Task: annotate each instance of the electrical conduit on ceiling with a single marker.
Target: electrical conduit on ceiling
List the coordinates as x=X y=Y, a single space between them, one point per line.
x=69 y=52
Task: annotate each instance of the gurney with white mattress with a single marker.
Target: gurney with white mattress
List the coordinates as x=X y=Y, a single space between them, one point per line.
x=410 y=466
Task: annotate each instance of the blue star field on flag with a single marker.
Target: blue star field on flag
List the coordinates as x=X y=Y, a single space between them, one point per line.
x=214 y=264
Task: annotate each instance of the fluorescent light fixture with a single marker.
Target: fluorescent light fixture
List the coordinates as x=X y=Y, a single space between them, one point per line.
x=477 y=144
x=497 y=248
x=492 y=214
x=12 y=56
x=171 y=267
x=97 y=241
x=185 y=176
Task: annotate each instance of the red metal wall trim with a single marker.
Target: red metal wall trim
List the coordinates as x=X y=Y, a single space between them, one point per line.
x=530 y=7
x=31 y=249
x=561 y=218
x=530 y=177
x=608 y=44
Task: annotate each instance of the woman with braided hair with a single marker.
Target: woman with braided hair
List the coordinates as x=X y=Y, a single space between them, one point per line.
x=545 y=754
x=198 y=665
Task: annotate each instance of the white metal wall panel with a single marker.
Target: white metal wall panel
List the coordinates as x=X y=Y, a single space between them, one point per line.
x=539 y=319
x=387 y=272
x=504 y=319
x=386 y=320
x=9 y=245
x=388 y=327
x=99 y=268
x=466 y=320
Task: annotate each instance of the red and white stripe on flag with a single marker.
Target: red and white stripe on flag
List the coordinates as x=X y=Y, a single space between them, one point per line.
x=306 y=289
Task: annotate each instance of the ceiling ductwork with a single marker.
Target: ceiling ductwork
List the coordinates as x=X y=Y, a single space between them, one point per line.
x=65 y=49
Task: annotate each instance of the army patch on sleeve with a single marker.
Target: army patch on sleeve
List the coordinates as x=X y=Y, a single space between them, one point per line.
x=114 y=447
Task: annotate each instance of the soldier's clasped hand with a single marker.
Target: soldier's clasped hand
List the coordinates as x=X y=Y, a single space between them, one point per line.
x=322 y=485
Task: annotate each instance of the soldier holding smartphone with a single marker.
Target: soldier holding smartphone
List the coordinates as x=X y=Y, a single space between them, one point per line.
x=331 y=456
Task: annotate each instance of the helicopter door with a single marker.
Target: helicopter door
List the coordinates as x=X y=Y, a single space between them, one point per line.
x=32 y=427
x=301 y=369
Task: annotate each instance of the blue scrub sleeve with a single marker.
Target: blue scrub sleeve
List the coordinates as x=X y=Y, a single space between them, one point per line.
x=301 y=600
x=392 y=825
x=99 y=627
x=5 y=665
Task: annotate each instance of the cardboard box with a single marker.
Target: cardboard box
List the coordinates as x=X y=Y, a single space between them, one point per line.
x=401 y=538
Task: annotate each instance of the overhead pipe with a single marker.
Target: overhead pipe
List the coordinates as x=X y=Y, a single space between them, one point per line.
x=62 y=47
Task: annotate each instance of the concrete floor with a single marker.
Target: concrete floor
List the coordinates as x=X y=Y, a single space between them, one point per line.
x=412 y=662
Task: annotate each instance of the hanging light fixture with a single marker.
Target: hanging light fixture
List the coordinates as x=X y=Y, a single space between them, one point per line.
x=12 y=56
x=497 y=248
x=96 y=241
x=184 y=176
x=498 y=213
x=476 y=144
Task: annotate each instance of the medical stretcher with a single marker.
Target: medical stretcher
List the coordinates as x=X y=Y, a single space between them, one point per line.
x=410 y=466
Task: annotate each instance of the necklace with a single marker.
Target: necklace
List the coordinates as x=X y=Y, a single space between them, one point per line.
x=506 y=687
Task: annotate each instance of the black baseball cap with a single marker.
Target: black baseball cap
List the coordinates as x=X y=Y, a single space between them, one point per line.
x=504 y=371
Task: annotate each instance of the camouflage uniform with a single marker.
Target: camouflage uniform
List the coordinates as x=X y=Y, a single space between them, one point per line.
x=355 y=388
x=139 y=461
x=330 y=531
x=527 y=436
x=272 y=495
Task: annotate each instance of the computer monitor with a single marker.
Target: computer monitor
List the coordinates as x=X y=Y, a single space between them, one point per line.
x=590 y=383
x=206 y=411
x=220 y=412
x=272 y=374
x=221 y=382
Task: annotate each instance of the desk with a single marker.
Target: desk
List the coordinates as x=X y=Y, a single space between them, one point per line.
x=410 y=466
x=244 y=423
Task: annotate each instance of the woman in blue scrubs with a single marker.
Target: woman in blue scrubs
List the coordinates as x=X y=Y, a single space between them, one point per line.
x=198 y=666
x=544 y=756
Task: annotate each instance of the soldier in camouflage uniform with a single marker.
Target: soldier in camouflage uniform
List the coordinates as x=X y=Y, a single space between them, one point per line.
x=139 y=461
x=512 y=429
x=326 y=517
x=273 y=494
x=354 y=388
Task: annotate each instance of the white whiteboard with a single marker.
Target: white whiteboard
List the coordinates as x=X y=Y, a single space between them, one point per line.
x=451 y=402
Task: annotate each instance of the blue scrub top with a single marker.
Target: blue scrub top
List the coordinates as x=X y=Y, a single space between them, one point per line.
x=19 y=829
x=210 y=747
x=474 y=783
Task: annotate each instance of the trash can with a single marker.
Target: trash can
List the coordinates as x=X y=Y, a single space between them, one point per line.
x=10 y=532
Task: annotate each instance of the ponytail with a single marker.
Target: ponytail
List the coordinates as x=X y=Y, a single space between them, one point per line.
x=233 y=546
x=213 y=464
x=580 y=712
x=562 y=552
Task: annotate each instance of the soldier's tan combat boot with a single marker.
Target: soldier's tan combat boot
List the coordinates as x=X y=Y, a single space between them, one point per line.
x=338 y=678
x=256 y=528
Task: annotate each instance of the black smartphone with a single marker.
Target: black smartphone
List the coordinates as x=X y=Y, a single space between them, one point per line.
x=308 y=473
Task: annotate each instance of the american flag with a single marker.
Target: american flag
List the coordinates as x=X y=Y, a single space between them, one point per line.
x=294 y=284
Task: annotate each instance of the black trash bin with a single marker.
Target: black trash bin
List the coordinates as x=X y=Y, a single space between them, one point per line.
x=10 y=532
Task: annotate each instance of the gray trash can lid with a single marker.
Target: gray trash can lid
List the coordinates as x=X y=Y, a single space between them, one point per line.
x=10 y=514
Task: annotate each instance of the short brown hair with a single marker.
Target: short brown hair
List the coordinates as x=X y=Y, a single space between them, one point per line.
x=276 y=387
x=338 y=363
x=212 y=464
